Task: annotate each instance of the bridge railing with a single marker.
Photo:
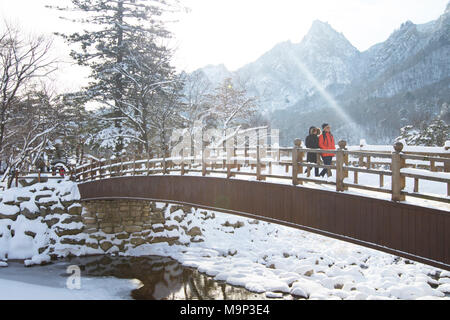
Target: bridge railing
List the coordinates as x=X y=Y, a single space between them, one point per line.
x=264 y=162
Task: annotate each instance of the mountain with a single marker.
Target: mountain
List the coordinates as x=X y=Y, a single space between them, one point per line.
x=215 y=73
x=370 y=94
x=412 y=57
x=290 y=72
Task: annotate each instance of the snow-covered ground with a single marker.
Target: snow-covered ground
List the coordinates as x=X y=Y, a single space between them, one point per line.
x=264 y=257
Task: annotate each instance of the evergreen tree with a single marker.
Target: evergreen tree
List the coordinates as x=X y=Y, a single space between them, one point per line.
x=125 y=38
x=433 y=134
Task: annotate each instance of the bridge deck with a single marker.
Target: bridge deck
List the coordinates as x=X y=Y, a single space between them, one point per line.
x=416 y=233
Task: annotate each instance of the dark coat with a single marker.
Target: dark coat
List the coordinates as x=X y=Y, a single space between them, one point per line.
x=312 y=142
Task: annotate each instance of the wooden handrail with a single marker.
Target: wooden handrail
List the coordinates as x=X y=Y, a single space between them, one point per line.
x=342 y=164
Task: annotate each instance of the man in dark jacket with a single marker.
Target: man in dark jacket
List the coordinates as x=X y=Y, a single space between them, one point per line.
x=312 y=142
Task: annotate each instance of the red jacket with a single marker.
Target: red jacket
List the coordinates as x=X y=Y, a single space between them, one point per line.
x=327 y=143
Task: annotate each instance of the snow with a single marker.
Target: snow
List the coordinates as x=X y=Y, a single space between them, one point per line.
x=8 y=210
x=388 y=148
x=278 y=260
x=24 y=238
x=427 y=173
x=19 y=283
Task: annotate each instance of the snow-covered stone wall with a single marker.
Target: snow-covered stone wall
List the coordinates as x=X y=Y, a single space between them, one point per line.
x=45 y=221
x=117 y=225
x=36 y=221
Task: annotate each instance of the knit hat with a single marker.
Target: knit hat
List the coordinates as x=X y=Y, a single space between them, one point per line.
x=324 y=125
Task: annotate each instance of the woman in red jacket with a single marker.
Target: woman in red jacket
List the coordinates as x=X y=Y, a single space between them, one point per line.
x=326 y=142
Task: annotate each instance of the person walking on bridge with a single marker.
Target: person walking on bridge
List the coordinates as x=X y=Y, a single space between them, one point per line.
x=312 y=142
x=326 y=142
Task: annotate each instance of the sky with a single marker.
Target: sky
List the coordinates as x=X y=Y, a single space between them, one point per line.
x=237 y=32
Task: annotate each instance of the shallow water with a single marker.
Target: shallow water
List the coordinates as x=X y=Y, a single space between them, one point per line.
x=153 y=278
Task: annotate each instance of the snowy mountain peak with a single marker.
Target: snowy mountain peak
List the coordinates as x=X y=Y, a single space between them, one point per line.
x=320 y=26
x=321 y=37
x=407 y=24
x=320 y=31
x=216 y=73
x=323 y=31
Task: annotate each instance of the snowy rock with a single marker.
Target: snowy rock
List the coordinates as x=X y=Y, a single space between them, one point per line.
x=8 y=211
x=444 y=288
x=194 y=231
x=274 y=295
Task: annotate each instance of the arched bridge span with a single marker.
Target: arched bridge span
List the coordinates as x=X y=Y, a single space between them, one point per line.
x=416 y=233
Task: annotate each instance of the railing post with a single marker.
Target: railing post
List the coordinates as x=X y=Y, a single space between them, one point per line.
x=246 y=160
x=416 y=185
x=295 y=156
x=300 y=155
x=361 y=161
x=100 y=169
x=92 y=170
x=203 y=159
x=433 y=165
x=258 y=159
x=235 y=162
x=110 y=165
x=398 y=182
x=340 y=160
x=229 y=170
x=258 y=164
x=447 y=166
x=182 y=162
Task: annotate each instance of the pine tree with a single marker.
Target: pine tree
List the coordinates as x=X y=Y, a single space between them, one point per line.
x=409 y=135
x=126 y=34
x=433 y=134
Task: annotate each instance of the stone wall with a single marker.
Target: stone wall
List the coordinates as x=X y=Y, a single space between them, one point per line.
x=130 y=223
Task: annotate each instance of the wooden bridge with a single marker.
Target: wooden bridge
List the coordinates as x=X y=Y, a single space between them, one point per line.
x=391 y=225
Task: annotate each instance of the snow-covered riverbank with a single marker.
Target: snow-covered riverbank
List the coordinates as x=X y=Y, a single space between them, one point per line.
x=49 y=283
x=264 y=257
